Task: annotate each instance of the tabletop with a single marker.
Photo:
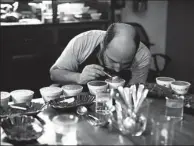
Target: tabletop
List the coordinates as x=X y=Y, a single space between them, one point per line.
x=86 y=134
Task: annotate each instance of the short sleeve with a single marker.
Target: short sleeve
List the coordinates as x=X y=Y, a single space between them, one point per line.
x=141 y=65
x=68 y=59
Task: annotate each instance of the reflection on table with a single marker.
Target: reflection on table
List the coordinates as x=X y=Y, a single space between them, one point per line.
x=180 y=133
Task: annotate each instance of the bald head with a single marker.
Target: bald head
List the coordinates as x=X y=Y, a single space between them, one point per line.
x=123 y=29
x=121 y=42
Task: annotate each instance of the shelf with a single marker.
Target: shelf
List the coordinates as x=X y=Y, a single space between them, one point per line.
x=9 y=24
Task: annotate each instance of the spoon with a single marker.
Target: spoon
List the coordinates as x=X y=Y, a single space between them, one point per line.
x=115 y=77
x=129 y=122
x=82 y=110
x=107 y=74
x=110 y=76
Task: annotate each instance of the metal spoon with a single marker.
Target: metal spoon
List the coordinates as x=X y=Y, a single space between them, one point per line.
x=83 y=111
x=115 y=77
x=110 y=76
x=130 y=121
x=107 y=74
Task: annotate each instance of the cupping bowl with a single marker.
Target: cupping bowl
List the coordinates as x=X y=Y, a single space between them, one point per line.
x=180 y=87
x=22 y=128
x=50 y=93
x=164 y=81
x=22 y=95
x=5 y=96
x=114 y=84
x=97 y=86
x=72 y=90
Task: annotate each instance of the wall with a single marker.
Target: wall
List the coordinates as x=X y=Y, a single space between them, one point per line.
x=180 y=42
x=154 y=20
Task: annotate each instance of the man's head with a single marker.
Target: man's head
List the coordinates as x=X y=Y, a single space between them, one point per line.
x=120 y=46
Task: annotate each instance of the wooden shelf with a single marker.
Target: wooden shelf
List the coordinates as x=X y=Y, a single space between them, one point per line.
x=33 y=49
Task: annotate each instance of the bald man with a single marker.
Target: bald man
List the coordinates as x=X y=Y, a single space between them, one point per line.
x=117 y=51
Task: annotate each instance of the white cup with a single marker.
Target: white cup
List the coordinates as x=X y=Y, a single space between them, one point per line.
x=97 y=87
x=115 y=85
x=50 y=93
x=180 y=87
x=22 y=96
x=164 y=81
x=5 y=96
x=72 y=90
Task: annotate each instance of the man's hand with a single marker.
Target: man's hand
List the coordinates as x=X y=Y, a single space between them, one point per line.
x=91 y=72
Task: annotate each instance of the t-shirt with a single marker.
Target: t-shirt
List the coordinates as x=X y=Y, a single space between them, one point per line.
x=82 y=46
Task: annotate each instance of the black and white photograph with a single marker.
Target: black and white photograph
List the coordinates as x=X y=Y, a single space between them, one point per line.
x=96 y=72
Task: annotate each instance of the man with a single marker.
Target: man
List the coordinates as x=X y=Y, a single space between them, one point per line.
x=117 y=51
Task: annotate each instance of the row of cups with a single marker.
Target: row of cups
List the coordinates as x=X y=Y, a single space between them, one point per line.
x=51 y=92
x=26 y=95
x=94 y=87
x=179 y=87
x=47 y=93
x=18 y=96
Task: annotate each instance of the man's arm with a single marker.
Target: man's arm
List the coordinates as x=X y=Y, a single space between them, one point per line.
x=63 y=76
x=65 y=70
x=90 y=72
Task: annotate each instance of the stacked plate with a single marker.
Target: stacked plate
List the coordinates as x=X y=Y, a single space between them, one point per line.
x=32 y=109
x=72 y=101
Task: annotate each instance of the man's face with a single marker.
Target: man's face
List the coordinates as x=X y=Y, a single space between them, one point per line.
x=119 y=54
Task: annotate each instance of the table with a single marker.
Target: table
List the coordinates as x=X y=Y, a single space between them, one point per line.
x=87 y=134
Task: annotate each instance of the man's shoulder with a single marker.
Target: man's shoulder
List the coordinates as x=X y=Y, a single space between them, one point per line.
x=89 y=38
x=91 y=33
x=143 y=55
x=143 y=51
x=85 y=43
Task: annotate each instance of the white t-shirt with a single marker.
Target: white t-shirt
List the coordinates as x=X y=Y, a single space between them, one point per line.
x=82 y=45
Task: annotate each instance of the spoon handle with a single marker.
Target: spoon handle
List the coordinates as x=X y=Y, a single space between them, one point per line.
x=114 y=94
x=18 y=107
x=91 y=116
x=144 y=95
x=123 y=97
x=107 y=74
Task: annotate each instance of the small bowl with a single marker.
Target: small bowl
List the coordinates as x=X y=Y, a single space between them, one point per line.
x=114 y=84
x=5 y=96
x=95 y=16
x=22 y=95
x=85 y=9
x=72 y=90
x=164 y=81
x=22 y=128
x=180 y=87
x=50 y=93
x=97 y=86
